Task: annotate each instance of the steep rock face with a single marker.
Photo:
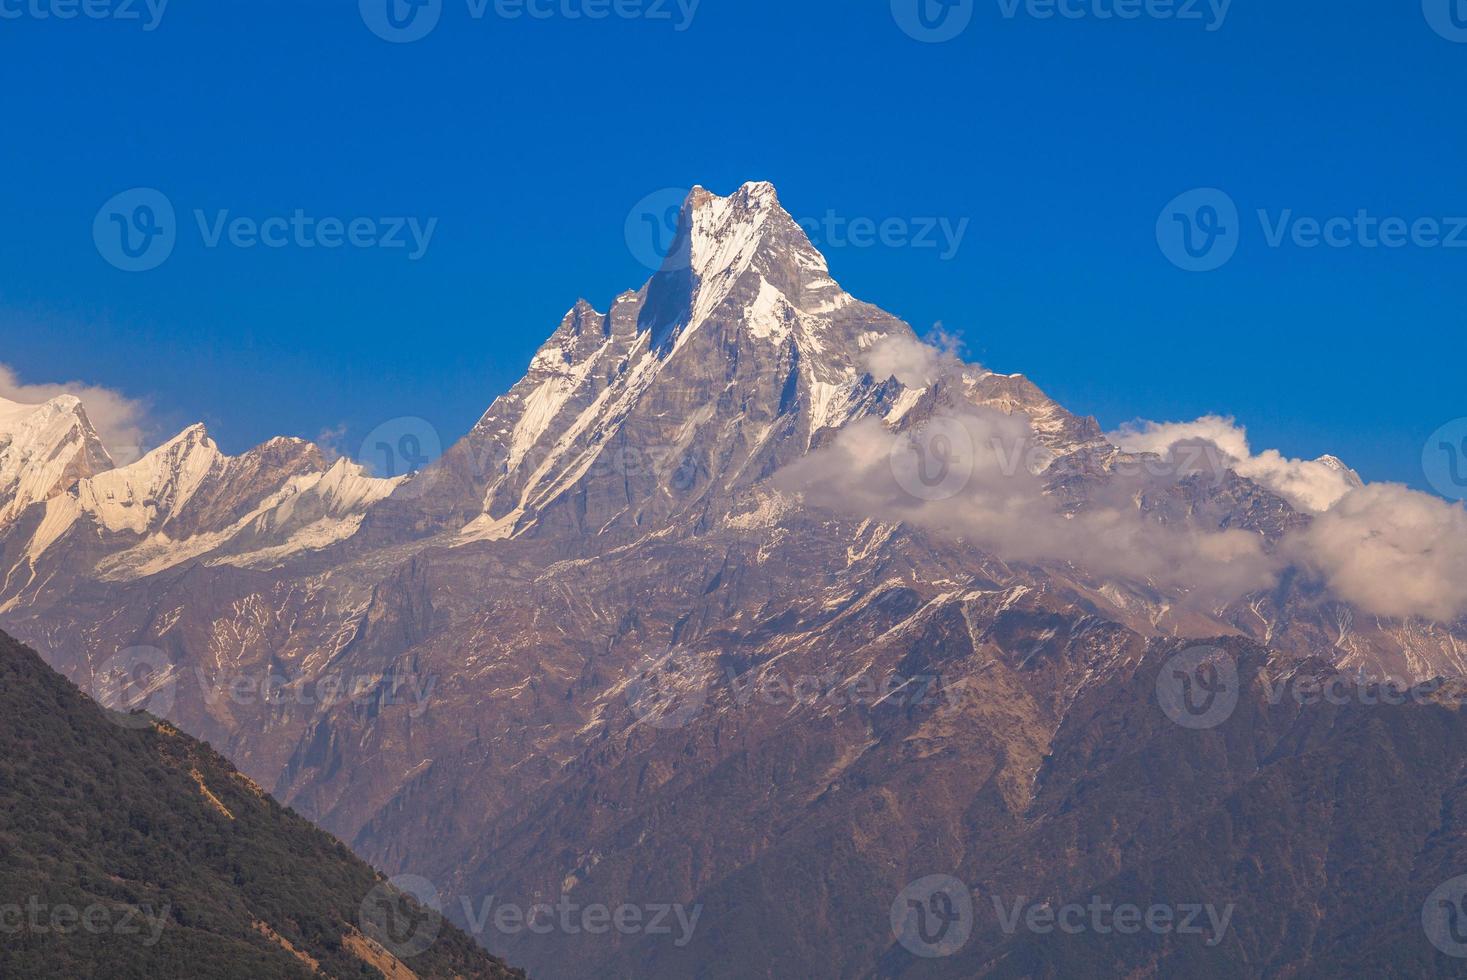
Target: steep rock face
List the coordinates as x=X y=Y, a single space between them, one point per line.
x=513 y=626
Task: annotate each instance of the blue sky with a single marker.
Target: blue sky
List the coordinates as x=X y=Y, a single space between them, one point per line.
x=530 y=140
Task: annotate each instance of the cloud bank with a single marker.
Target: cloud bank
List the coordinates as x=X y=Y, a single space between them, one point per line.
x=1384 y=548
x=1391 y=551
x=957 y=475
x=1313 y=486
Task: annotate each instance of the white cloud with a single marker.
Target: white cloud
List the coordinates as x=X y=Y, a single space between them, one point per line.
x=123 y=423
x=911 y=361
x=977 y=492
x=1384 y=548
x=1391 y=551
x=1313 y=486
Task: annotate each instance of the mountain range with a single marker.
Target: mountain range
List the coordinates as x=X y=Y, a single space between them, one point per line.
x=748 y=605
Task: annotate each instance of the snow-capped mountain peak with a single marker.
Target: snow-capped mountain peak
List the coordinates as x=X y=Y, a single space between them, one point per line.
x=739 y=351
x=43 y=450
x=187 y=500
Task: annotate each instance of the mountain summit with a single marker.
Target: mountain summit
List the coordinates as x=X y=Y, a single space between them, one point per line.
x=43 y=450
x=730 y=361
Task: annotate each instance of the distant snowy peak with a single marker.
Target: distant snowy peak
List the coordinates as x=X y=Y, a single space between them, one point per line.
x=155 y=489
x=1354 y=479
x=187 y=500
x=44 y=449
